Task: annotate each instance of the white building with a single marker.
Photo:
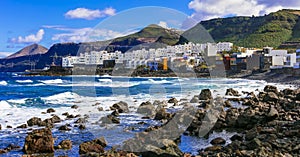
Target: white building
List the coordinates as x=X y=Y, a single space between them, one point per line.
x=281 y=59
x=297 y=64
x=68 y=62
x=224 y=46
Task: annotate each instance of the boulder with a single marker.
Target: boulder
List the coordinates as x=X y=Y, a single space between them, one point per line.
x=218 y=141
x=80 y=120
x=50 y=110
x=121 y=106
x=162 y=114
x=273 y=113
x=270 y=88
x=95 y=146
x=236 y=137
x=270 y=97
x=39 y=141
x=23 y=126
x=74 y=107
x=64 y=128
x=34 y=121
x=195 y=99
x=81 y=127
x=65 y=144
x=0 y=127
x=232 y=92
x=169 y=149
x=115 y=113
x=205 y=95
x=110 y=119
x=147 y=109
x=213 y=148
x=173 y=101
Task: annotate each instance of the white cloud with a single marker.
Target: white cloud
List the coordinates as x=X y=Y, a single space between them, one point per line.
x=85 y=34
x=5 y=54
x=88 y=14
x=32 y=38
x=163 y=24
x=208 y=9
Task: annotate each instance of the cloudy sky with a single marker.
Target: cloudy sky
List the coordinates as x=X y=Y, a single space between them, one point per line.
x=46 y=22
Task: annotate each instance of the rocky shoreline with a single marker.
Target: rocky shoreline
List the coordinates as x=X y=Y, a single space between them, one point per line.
x=267 y=125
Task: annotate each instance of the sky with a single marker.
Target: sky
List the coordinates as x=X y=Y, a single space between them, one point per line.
x=46 y=22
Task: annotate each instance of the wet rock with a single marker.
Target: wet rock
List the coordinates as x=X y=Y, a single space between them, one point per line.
x=161 y=104
x=50 y=110
x=232 y=92
x=8 y=126
x=195 y=99
x=173 y=101
x=23 y=126
x=39 y=141
x=100 y=109
x=270 y=97
x=110 y=119
x=66 y=114
x=0 y=127
x=64 y=128
x=65 y=144
x=95 y=146
x=205 y=95
x=213 y=148
x=81 y=127
x=218 y=141
x=121 y=106
x=270 y=88
x=253 y=144
x=70 y=116
x=115 y=113
x=236 y=137
x=169 y=149
x=273 y=113
x=80 y=120
x=74 y=107
x=227 y=104
x=34 y=121
x=162 y=114
x=147 y=109
x=101 y=141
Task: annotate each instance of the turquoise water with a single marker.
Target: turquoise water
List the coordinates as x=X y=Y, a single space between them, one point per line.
x=22 y=98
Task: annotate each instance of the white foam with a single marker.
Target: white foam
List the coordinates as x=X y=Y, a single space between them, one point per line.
x=4 y=105
x=24 y=81
x=55 y=81
x=105 y=80
x=3 y=83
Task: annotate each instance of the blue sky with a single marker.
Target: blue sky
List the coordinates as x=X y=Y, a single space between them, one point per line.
x=46 y=22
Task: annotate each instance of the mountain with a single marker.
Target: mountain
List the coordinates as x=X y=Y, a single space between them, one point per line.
x=148 y=35
x=33 y=49
x=273 y=30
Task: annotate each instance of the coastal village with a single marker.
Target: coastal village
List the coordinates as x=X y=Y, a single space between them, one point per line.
x=234 y=59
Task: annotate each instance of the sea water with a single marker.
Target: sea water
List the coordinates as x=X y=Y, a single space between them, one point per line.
x=24 y=97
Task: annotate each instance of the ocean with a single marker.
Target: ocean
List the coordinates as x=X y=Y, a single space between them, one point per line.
x=24 y=97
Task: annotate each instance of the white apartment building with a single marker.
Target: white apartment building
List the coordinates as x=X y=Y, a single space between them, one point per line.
x=297 y=64
x=68 y=62
x=224 y=46
x=281 y=59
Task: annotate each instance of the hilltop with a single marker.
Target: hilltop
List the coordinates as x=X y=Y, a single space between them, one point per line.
x=33 y=49
x=273 y=30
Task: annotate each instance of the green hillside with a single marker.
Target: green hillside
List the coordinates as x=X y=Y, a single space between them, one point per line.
x=269 y=30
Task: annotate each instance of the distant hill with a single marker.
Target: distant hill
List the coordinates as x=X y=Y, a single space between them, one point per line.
x=269 y=30
x=33 y=49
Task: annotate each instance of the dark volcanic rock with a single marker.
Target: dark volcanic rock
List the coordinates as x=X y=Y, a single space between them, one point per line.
x=34 y=121
x=95 y=146
x=121 y=106
x=39 y=141
x=50 y=110
x=74 y=107
x=232 y=92
x=147 y=109
x=218 y=141
x=205 y=94
x=23 y=126
x=270 y=88
x=64 y=128
x=162 y=114
x=65 y=144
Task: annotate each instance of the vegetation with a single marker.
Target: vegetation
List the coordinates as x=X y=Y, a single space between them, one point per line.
x=269 y=30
